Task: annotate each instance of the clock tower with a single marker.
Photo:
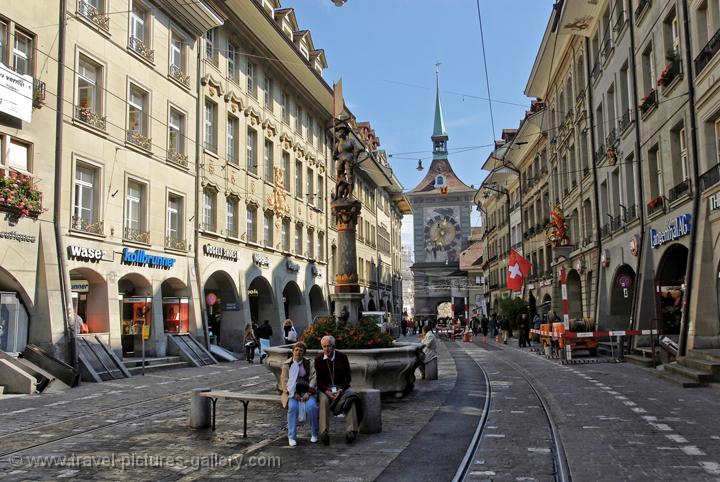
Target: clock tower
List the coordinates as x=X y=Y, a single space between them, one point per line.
x=441 y=205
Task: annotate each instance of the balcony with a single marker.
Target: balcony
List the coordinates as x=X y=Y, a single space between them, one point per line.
x=175 y=243
x=79 y=224
x=671 y=72
x=130 y=234
x=600 y=154
x=140 y=140
x=91 y=13
x=617 y=222
x=179 y=74
x=678 y=190
x=38 y=93
x=605 y=230
x=612 y=138
x=642 y=8
x=595 y=72
x=90 y=117
x=620 y=23
x=139 y=47
x=648 y=102
x=707 y=53
x=710 y=177
x=607 y=49
x=655 y=205
x=625 y=120
x=631 y=214
x=587 y=240
x=177 y=158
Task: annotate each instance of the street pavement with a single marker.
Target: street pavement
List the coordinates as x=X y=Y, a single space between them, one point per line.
x=616 y=421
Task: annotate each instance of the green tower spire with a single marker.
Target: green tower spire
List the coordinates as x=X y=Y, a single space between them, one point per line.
x=439 y=135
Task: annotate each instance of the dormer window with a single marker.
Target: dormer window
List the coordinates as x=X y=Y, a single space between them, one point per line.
x=304 y=51
x=439 y=181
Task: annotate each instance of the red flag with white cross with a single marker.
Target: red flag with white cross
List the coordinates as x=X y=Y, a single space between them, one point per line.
x=518 y=269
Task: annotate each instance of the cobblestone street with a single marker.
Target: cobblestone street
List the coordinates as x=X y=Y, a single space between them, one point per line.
x=616 y=421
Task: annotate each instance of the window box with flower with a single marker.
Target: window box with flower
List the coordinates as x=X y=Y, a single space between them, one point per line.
x=655 y=205
x=649 y=102
x=19 y=195
x=671 y=73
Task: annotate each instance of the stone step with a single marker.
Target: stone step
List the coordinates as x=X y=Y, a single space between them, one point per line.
x=712 y=355
x=136 y=362
x=707 y=366
x=689 y=373
x=640 y=360
x=157 y=367
x=677 y=379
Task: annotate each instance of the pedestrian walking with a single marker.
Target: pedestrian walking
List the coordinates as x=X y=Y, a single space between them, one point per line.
x=523 y=329
x=264 y=334
x=484 y=326
x=404 y=325
x=291 y=335
x=505 y=329
x=251 y=343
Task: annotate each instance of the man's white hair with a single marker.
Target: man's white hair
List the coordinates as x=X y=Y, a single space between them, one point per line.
x=329 y=338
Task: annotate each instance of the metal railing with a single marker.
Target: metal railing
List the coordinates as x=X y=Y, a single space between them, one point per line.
x=649 y=101
x=641 y=8
x=90 y=117
x=606 y=50
x=625 y=120
x=678 y=190
x=177 y=157
x=38 y=93
x=91 y=13
x=655 y=205
x=139 y=47
x=707 y=53
x=710 y=177
x=139 y=139
x=131 y=234
x=79 y=224
x=180 y=75
x=175 y=243
x=632 y=213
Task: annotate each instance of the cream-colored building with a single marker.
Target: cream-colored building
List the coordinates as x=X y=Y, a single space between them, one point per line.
x=31 y=299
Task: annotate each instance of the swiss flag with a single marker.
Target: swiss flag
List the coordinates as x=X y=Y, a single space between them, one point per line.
x=518 y=269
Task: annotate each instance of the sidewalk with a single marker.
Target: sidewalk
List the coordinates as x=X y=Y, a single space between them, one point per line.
x=137 y=429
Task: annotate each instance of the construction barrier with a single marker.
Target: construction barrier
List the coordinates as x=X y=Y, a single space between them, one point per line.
x=592 y=334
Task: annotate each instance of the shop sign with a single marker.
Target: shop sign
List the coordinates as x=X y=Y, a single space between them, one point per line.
x=635 y=245
x=140 y=257
x=85 y=254
x=220 y=252
x=79 y=285
x=294 y=267
x=211 y=299
x=232 y=306
x=714 y=201
x=15 y=236
x=676 y=228
x=16 y=94
x=261 y=261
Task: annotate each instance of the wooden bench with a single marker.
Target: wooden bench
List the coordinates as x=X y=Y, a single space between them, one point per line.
x=214 y=396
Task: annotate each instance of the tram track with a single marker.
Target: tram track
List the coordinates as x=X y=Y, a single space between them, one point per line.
x=559 y=457
x=72 y=422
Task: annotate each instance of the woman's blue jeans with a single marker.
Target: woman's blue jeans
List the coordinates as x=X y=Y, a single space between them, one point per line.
x=311 y=415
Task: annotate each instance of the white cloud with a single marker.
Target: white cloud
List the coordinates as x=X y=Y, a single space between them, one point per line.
x=406 y=233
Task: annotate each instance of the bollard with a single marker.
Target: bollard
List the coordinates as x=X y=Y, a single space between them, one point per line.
x=372 y=411
x=200 y=409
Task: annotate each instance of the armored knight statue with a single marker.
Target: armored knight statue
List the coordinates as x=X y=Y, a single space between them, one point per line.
x=345 y=154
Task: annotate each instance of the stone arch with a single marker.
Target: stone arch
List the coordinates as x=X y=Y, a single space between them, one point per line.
x=669 y=291
x=222 y=309
x=90 y=298
x=15 y=309
x=318 y=307
x=294 y=306
x=176 y=306
x=574 y=294
x=262 y=303
x=135 y=297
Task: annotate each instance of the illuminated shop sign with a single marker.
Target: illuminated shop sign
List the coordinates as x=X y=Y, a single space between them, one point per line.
x=676 y=228
x=141 y=258
x=261 y=261
x=714 y=201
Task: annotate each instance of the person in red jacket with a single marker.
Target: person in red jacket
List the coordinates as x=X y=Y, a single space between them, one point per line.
x=332 y=369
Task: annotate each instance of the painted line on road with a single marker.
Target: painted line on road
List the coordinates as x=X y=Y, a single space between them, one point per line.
x=692 y=450
x=677 y=438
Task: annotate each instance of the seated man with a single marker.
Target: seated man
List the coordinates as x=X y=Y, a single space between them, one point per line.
x=332 y=369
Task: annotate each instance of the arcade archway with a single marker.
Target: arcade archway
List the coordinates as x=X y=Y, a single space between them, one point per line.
x=317 y=302
x=669 y=283
x=262 y=305
x=90 y=299
x=222 y=305
x=574 y=294
x=135 y=297
x=14 y=314
x=176 y=306
x=294 y=306
x=622 y=290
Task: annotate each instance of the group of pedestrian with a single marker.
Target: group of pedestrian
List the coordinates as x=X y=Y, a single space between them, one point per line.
x=311 y=390
x=259 y=337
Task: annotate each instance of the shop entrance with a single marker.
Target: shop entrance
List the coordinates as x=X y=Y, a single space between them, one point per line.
x=90 y=300
x=223 y=307
x=135 y=297
x=14 y=316
x=371 y=305
x=317 y=302
x=262 y=305
x=621 y=296
x=294 y=306
x=176 y=306
x=574 y=294
x=670 y=288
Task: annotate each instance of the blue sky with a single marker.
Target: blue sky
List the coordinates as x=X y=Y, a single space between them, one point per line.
x=386 y=50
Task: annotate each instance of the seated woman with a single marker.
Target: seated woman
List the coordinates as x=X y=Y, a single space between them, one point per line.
x=299 y=384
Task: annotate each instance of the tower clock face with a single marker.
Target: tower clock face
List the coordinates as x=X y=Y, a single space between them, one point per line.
x=442 y=232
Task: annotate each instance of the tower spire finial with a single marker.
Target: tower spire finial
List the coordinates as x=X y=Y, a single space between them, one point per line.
x=439 y=135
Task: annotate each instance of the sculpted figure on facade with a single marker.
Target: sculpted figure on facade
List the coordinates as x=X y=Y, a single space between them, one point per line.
x=556 y=231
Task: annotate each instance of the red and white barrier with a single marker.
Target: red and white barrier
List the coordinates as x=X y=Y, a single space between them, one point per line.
x=592 y=334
